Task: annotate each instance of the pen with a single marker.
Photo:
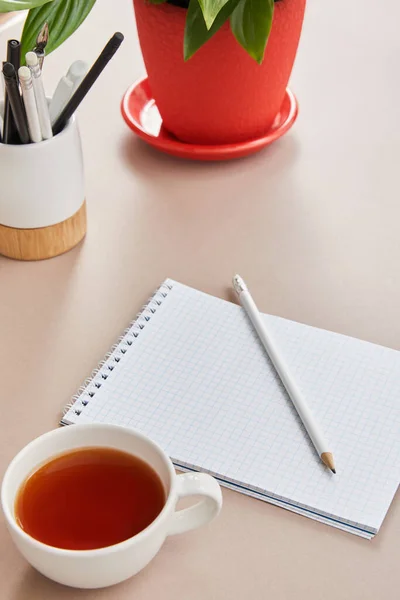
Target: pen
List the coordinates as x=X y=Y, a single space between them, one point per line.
x=41 y=43
x=107 y=53
x=10 y=133
x=10 y=80
x=42 y=107
x=283 y=371
x=28 y=96
x=77 y=71
x=61 y=96
x=66 y=87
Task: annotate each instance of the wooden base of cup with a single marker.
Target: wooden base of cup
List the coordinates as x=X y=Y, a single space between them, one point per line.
x=43 y=242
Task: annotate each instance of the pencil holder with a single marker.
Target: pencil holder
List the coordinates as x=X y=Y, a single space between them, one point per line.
x=42 y=198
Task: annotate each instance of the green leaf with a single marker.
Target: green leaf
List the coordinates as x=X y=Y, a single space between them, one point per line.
x=157 y=1
x=63 y=18
x=210 y=9
x=196 y=32
x=14 y=5
x=251 y=23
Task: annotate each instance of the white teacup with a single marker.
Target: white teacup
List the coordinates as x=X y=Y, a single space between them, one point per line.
x=106 y=566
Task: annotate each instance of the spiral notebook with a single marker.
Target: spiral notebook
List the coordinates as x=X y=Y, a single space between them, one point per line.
x=191 y=373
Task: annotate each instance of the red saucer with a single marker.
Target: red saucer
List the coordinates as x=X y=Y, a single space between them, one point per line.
x=140 y=112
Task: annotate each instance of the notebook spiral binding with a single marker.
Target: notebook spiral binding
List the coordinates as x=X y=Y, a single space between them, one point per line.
x=94 y=382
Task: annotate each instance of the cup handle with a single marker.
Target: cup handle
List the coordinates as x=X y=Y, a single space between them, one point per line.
x=196 y=484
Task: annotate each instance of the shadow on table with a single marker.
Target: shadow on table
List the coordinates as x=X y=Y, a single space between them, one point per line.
x=33 y=586
x=142 y=158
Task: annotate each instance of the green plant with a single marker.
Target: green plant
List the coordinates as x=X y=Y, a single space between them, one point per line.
x=250 y=22
x=63 y=17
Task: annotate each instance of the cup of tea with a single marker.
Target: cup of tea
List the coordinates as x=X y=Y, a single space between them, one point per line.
x=90 y=505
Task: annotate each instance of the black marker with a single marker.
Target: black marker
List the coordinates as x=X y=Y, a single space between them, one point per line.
x=17 y=107
x=108 y=52
x=10 y=133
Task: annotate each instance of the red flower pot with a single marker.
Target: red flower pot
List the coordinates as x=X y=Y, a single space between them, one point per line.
x=220 y=95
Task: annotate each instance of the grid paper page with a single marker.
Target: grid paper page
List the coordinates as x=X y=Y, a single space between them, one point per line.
x=196 y=379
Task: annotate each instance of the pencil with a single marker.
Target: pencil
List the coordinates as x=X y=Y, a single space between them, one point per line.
x=107 y=53
x=28 y=97
x=294 y=393
x=42 y=107
x=18 y=110
x=10 y=133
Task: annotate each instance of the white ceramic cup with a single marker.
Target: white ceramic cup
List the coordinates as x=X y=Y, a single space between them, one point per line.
x=41 y=184
x=106 y=566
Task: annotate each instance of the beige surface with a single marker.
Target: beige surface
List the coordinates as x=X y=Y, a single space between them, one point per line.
x=312 y=224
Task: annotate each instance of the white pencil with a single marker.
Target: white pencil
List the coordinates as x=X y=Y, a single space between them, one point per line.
x=291 y=387
x=43 y=110
x=30 y=104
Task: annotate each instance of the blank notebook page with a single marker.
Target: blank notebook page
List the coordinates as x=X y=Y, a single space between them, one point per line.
x=192 y=374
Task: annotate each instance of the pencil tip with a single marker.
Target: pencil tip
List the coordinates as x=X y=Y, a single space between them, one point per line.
x=327 y=459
